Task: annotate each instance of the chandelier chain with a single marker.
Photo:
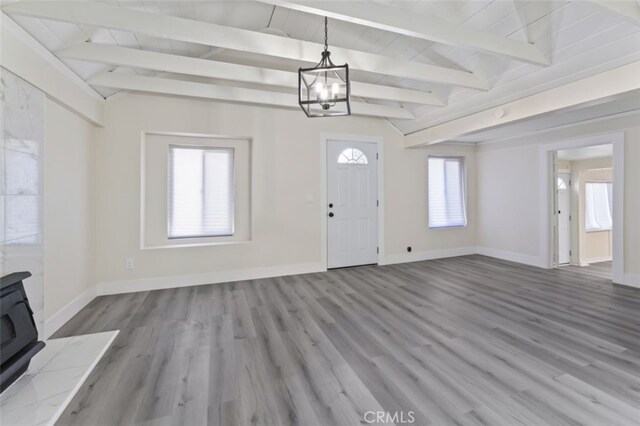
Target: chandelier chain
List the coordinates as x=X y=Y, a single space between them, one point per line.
x=326 y=45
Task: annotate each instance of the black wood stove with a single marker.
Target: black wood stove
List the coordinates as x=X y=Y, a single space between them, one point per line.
x=18 y=332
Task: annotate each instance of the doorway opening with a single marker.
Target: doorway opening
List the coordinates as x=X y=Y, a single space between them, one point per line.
x=583 y=208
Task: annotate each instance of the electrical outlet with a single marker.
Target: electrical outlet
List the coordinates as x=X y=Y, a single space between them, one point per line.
x=129 y=264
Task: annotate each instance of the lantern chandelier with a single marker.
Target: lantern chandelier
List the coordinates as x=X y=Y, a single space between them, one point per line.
x=323 y=91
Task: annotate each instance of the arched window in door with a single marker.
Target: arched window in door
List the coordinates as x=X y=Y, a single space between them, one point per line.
x=562 y=184
x=352 y=156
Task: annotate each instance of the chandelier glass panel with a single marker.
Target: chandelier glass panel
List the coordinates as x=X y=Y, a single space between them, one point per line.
x=324 y=90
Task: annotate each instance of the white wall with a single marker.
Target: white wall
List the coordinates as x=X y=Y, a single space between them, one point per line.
x=68 y=268
x=508 y=188
x=22 y=110
x=632 y=204
x=286 y=157
x=69 y=209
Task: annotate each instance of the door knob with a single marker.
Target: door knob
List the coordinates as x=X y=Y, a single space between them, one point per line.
x=330 y=214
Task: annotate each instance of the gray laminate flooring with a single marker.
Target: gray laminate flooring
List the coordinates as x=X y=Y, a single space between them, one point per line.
x=599 y=269
x=461 y=341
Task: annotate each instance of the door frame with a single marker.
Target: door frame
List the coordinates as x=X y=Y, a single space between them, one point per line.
x=556 y=256
x=547 y=197
x=324 y=139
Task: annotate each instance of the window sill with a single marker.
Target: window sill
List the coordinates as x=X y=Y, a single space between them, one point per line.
x=597 y=230
x=435 y=228
x=211 y=243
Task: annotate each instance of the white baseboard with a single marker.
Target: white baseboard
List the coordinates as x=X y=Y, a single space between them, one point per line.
x=117 y=287
x=159 y=283
x=426 y=255
x=60 y=318
x=512 y=256
x=597 y=260
x=632 y=280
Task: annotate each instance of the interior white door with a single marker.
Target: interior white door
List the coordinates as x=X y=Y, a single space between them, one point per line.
x=352 y=203
x=564 y=218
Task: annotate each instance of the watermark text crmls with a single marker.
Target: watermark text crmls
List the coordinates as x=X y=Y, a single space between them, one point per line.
x=397 y=417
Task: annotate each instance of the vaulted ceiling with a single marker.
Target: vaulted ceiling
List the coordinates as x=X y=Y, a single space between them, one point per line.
x=416 y=63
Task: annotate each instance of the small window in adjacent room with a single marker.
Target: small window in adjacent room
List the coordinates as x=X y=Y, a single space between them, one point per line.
x=446 y=192
x=597 y=203
x=201 y=192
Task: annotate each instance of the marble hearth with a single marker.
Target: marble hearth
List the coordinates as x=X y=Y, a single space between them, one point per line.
x=55 y=375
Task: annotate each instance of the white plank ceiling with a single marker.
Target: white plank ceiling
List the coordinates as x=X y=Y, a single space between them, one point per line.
x=577 y=38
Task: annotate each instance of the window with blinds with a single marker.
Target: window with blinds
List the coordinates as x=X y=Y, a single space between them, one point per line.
x=201 y=192
x=598 y=199
x=446 y=192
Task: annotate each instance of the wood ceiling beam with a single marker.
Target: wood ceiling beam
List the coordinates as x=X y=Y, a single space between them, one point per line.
x=592 y=90
x=169 y=86
x=191 y=31
x=24 y=56
x=629 y=10
x=401 y=22
x=136 y=58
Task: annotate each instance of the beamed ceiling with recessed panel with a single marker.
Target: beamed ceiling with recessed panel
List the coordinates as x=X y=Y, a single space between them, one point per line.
x=416 y=63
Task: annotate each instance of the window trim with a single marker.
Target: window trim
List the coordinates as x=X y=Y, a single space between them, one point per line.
x=463 y=184
x=170 y=197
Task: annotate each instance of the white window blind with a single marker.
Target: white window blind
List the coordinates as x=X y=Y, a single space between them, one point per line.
x=446 y=192
x=598 y=197
x=201 y=192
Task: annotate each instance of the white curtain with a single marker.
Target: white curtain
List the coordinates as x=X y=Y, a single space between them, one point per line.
x=201 y=192
x=446 y=192
x=598 y=206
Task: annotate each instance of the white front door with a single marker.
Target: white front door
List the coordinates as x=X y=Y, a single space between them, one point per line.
x=564 y=224
x=352 y=203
